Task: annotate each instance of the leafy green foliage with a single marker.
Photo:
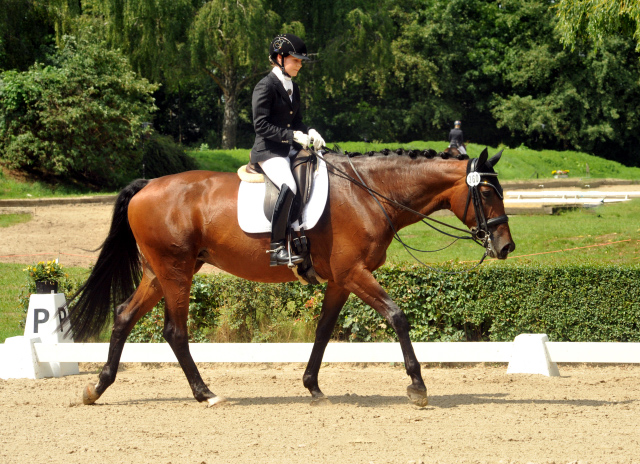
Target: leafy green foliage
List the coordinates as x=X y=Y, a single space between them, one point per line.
x=594 y=20
x=25 y=33
x=163 y=156
x=77 y=119
x=222 y=307
x=568 y=303
x=395 y=71
x=49 y=271
x=151 y=33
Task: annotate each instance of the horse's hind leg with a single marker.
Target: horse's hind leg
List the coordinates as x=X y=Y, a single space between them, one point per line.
x=127 y=314
x=176 y=333
x=334 y=299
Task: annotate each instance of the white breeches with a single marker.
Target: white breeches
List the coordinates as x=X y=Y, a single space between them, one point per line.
x=278 y=169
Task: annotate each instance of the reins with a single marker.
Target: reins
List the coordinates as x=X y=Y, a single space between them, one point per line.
x=479 y=234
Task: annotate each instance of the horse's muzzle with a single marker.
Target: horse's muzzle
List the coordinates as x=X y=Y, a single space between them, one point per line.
x=500 y=249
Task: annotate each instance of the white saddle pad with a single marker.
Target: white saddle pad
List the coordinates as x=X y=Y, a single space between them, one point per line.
x=251 y=199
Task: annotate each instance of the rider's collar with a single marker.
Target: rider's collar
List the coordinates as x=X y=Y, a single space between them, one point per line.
x=278 y=72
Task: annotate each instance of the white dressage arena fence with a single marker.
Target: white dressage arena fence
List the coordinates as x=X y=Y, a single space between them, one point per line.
x=42 y=352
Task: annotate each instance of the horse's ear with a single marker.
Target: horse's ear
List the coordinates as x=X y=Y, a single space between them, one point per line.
x=482 y=158
x=495 y=158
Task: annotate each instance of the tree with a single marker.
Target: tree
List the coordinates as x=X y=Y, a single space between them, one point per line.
x=151 y=33
x=26 y=33
x=554 y=97
x=346 y=82
x=229 y=42
x=594 y=20
x=79 y=119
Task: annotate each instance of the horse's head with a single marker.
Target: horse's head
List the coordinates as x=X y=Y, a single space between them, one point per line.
x=480 y=206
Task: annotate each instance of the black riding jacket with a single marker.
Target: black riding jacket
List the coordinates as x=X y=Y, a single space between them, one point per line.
x=456 y=137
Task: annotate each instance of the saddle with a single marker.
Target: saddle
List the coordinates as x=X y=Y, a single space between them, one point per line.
x=302 y=168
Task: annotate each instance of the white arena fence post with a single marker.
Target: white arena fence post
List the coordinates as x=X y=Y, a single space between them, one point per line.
x=18 y=357
x=529 y=355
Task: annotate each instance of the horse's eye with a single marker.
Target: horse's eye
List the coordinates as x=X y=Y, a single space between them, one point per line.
x=486 y=193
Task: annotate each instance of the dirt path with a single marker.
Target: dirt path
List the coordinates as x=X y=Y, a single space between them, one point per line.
x=69 y=232
x=476 y=414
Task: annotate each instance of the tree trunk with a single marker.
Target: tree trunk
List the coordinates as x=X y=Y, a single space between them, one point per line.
x=230 y=123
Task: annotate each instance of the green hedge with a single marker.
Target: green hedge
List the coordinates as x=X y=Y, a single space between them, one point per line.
x=495 y=302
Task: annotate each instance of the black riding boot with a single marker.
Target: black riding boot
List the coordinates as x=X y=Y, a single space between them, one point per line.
x=279 y=227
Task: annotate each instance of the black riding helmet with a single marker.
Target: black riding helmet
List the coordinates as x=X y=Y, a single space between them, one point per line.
x=287 y=45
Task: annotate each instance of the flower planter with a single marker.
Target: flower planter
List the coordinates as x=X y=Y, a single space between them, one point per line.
x=46 y=287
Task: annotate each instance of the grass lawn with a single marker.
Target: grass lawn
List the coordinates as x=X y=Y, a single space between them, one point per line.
x=608 y=233
x=12 y=278
x=12 y=188
x=7 y=220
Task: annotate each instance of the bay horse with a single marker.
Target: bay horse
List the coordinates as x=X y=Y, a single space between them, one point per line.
x=453 y=152
x=163 y=230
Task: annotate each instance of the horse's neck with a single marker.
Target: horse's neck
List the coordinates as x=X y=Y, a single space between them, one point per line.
x=423 y=185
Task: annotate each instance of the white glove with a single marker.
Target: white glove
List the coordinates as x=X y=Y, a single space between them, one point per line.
x=316 y=139
x=301 y=138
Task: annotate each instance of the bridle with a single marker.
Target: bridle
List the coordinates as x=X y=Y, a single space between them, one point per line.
x=479 y=234
x=474 y=180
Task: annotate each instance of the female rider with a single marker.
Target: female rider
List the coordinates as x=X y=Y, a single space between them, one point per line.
x=281 y=134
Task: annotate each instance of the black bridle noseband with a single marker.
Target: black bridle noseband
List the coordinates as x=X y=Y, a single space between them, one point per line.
x=479 y=234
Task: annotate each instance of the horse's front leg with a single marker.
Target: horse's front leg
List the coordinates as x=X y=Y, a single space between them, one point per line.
x=365 y=286
x=334 y=299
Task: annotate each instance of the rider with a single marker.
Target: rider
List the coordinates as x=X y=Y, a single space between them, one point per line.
x=281 y=134
x=456 y=138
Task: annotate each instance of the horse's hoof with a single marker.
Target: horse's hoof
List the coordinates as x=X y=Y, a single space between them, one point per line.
x=417 y=396
x=89 y=394
x=216 y=401
x=320 y=401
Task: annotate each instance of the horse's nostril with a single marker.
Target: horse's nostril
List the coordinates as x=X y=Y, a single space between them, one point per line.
x=508 y=248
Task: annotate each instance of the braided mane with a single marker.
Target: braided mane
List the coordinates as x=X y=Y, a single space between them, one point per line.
x=427 y=153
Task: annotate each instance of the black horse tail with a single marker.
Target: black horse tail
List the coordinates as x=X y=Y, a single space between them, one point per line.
x=115 y=276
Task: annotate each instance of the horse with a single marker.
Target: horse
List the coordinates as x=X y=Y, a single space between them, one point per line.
x=453 y=152
x=163 y=230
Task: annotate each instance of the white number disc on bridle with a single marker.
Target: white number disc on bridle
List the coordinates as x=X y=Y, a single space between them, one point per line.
x=473 y=179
